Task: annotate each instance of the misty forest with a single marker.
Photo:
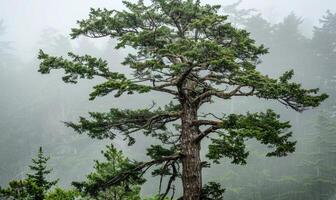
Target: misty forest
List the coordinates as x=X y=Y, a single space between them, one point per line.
x=168 y=99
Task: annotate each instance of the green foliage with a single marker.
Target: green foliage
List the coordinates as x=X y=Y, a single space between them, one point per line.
x=36 y=185
x=156 y=152
x=97 y=184
x=18 y=189
x=39 y=175
x=126 y=121
x=212 y=191
x=264 y=127
x=60 y=194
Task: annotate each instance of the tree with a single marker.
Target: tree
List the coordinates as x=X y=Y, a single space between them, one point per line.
x=324 y=47
x=289 y=46
x=35 y=186
x=39 y=176
x=238 y=16
x=319 y=165
x=261 y=30
x=186 y=50
x=17 y=189
x=115 y=163
x=54 y=42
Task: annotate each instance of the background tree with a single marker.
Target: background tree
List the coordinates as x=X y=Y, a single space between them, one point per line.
x=261 y=30
x=35 y=186
x=38 y=176
x=320 y=162
x=289 y=42
x=51 y=40
x=190 y=52
x=317 y=171
x=238 y=16
x=324 y=50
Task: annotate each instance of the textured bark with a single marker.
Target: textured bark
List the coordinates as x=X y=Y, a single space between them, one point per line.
x=191 y=161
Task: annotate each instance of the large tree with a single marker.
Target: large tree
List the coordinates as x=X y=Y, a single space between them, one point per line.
x=189 y=51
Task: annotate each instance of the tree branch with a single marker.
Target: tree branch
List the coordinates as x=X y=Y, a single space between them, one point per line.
x=145 y=165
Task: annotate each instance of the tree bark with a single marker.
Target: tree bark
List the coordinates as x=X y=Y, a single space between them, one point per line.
x=191 y=161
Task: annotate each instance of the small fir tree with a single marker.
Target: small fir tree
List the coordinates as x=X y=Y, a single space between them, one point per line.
x=35 y=186
x=38 y=176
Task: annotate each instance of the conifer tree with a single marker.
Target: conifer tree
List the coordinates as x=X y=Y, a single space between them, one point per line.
x=323 y=46
x=17 y=189
x=322 y=180
x=189 y=51
x=38 y=176
x=115 y=163
x=35 y=186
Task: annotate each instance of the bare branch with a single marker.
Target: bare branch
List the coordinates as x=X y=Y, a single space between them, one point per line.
x=163 y=89
x=206 y=132
x=171 y=180
x=206 y=123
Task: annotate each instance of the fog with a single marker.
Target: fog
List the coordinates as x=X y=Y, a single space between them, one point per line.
x=27 y=19
x=33 y=106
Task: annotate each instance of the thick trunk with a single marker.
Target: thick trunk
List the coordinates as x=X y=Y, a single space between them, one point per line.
x=191 y=162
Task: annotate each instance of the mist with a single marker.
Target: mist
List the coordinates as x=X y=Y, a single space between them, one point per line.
x=34 y=106
x=27 y=19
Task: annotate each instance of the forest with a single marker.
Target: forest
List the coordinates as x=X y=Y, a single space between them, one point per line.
x=175 y=99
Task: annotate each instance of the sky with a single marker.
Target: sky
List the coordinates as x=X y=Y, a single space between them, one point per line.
x=26 y=19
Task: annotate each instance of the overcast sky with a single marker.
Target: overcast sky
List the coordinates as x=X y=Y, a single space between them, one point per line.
x=25 y=19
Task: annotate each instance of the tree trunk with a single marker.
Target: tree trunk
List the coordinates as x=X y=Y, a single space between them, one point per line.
x=191 y=161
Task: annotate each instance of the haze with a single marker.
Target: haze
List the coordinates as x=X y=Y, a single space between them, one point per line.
x=26 y=19
x=33 y=106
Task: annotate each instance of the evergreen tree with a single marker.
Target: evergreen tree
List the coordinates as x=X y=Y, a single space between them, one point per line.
x=35 y=186
x=238 y=16
x=115 y=163
x=186 y=50
x=54 y=42
x=324 y=49
x=261 y=30
x=289 y=46
x=17 y=189
x=318 y=171
x=38 y=176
